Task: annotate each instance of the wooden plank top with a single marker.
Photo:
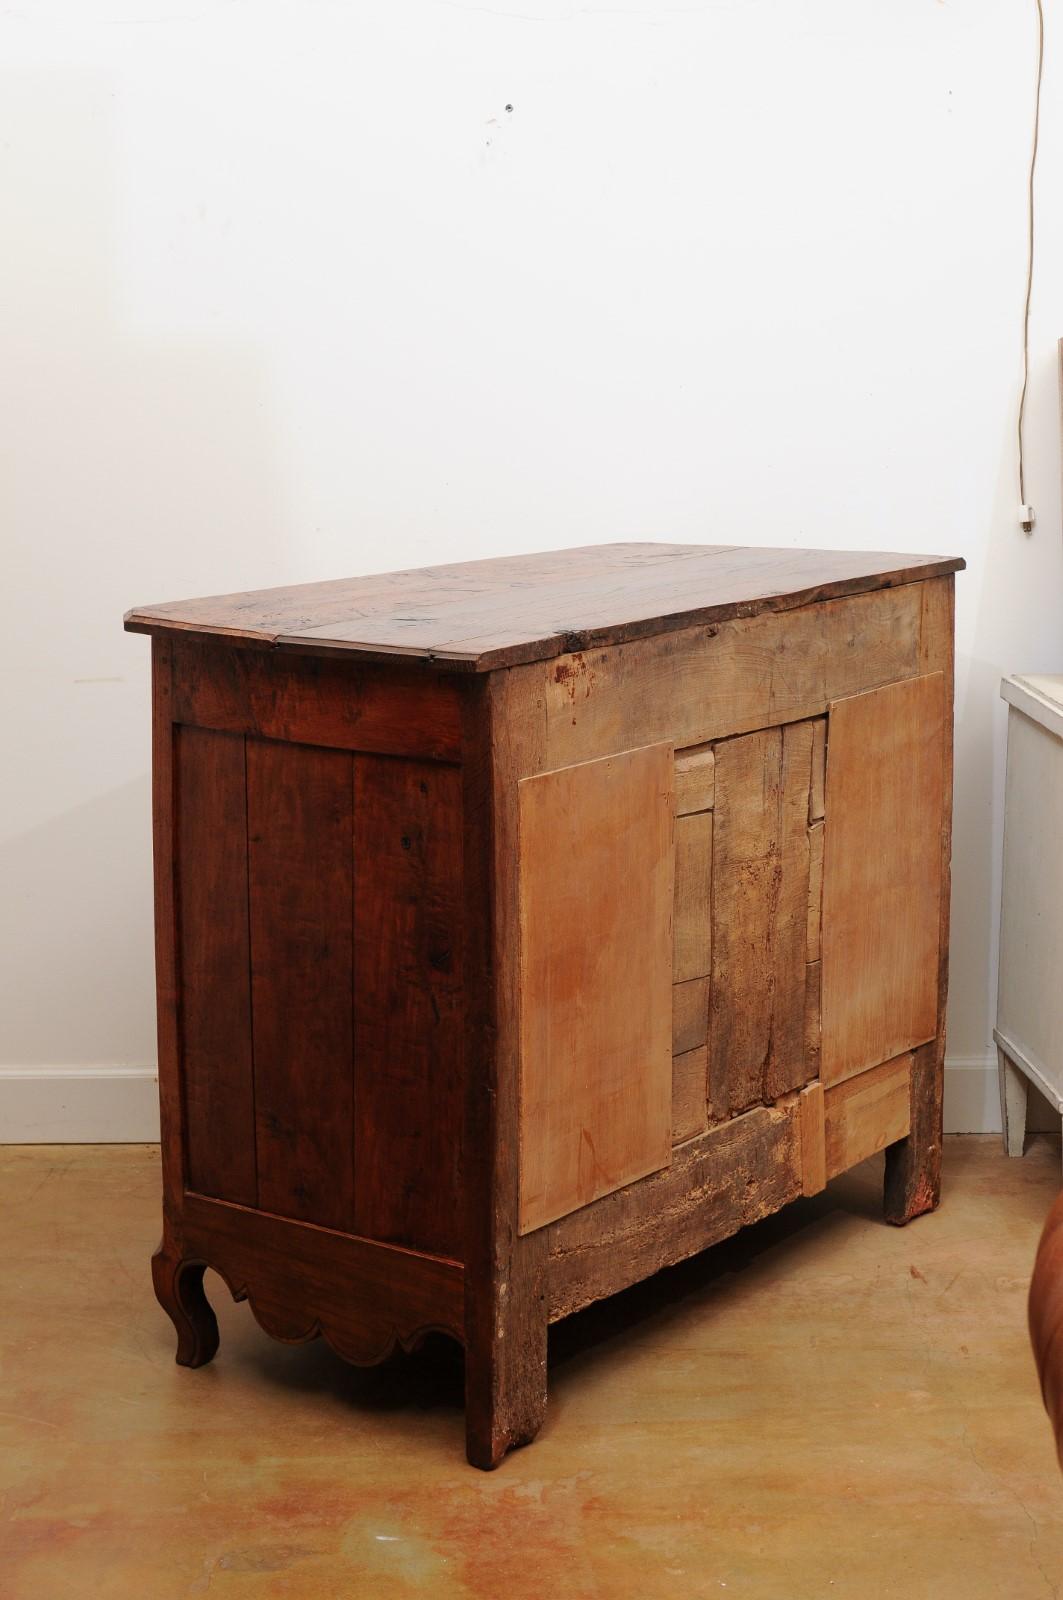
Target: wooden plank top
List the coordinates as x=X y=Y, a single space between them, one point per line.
x=476 y=616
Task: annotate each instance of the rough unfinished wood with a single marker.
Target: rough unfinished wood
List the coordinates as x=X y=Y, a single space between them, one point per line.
x=815 y=891
x=690 y=1015
x=882 y=874
x=759 y=917
x=478 y=615
x=695 y=779
x=691 y=917
x=813 y=985
x=810 y=1113
x=596 y=979
x=716 y=1184
x=689 y=1091
x=913 y=1165
x=733 y=677
x=817 y=793
x=865 y=1114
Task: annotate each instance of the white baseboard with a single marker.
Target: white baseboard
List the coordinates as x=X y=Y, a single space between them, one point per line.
x=79 y=1105
x=119 y=1105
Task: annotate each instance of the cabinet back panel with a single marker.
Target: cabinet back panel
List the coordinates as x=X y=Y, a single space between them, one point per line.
x=320 y=980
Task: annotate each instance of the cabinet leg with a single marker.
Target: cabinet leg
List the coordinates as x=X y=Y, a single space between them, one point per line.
x=1013 y=1092
x=179 y=1291
x=913 y=1165
x=505 y=1367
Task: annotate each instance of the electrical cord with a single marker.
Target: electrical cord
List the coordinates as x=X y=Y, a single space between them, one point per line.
x=1025 y=511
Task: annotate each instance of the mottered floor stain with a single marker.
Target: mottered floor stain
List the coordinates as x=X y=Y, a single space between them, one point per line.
x=792 y=1414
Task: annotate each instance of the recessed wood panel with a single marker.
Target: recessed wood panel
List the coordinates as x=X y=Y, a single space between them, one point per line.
x=882 y=874
x=595 y=885
x=865 y=1114
x=301 y=871
x=214 y=966
x=409 y=1087
x=759 y=917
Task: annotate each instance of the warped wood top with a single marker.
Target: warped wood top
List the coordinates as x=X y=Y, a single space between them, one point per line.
x=479 y=615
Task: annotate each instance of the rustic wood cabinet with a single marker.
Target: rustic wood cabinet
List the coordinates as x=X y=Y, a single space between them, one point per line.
x=526 y=925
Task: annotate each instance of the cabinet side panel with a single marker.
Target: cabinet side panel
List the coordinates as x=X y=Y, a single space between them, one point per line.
x=215 y=1010
x=595 y=979
x=408 y=1003
x=301 y=870
x=882 y=874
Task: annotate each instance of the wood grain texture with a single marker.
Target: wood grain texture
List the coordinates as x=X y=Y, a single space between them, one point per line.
x=913 y=1165
x=695 y=775
x=690 y=1015
x=303 y=1281
x=815 y=891
x=409 y=1091
x=866 y=1113
x=818 y=792
x=596 y=976
x=759 y=917
x=729 y=1177
x=882 y=874
x=301 y=871
x=505 y=1288
x=215 y=964
x=691 y=912
x=732 y=677
x=336 y=704
x=810 y=1113
x=488 y=614
x=690 y=1084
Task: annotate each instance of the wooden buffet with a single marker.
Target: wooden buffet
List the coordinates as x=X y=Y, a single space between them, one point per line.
x=527 y=925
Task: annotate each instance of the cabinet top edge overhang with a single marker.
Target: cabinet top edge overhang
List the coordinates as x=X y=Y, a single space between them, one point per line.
x=478 y=616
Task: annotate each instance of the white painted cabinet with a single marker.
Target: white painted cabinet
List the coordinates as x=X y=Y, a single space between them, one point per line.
x=1029 y=1030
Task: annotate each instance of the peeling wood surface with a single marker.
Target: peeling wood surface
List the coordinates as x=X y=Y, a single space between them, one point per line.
x=718 y=1183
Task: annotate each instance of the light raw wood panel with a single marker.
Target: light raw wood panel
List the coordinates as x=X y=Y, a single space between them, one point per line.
x=759 y=917
x=691 y=921
x=813 y=986
x=817 y=794
x=882 y=874
x=695 y=779
x=595 y=979
x=690 y=1015
x=689 y=1088
x=813 y=1146
x=733 y=677
x=815 y=890
x=865 y=1114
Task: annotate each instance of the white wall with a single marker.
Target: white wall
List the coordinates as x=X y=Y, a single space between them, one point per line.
x=288 y=294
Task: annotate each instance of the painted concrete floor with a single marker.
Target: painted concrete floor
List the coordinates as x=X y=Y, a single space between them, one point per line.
x=823 y=1408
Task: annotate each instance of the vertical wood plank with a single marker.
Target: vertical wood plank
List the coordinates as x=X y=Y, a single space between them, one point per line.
x=596 y=975
x=759 y=917
x=690 y=1015
x=691 y=915
x=695 y=779
x=409 y=1091
x=301 y=864
x=882 y=874
x=815 y=891
x=689 y=1091
x=817 y=793
x=215 y=964
x=813 y=1143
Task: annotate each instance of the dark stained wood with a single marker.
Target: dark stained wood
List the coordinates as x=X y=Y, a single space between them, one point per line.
x=505 y=1300
x=215 y=964
x=302 y=1280
x=408 y=1048
x=301 y=868
x=481 y=615
x=306 y=700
